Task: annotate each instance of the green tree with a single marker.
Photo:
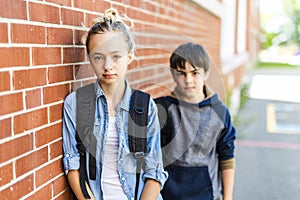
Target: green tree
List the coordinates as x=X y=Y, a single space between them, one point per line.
x=292 y=9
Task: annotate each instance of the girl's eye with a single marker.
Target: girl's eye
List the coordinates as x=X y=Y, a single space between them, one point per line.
x=196 y=73
x=98 y=58
x=116 y=57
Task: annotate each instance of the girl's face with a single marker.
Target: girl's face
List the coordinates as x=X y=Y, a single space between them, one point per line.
x=109 y=57
x=189 y=83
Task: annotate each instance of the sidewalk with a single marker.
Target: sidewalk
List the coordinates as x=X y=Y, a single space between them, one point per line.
x=268 y=141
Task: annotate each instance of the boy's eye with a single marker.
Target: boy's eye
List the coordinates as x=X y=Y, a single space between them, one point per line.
x=180 y=73
x=196 y=73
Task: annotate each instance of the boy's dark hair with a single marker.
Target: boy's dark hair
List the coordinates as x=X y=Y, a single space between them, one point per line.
x=194 y=54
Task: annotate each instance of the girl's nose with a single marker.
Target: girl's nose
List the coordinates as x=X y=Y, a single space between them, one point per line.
x=108 y=63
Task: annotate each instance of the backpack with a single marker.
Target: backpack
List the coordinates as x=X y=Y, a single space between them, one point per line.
x=137 y=129
x=166 y=128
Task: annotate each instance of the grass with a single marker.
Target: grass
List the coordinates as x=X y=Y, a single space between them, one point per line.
x=260 y=65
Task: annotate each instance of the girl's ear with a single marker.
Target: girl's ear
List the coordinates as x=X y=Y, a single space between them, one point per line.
x=130 y=57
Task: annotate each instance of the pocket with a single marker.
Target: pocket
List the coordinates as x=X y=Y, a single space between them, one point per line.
x=188 y=183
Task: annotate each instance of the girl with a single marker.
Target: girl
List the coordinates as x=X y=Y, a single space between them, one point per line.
x=110 y=50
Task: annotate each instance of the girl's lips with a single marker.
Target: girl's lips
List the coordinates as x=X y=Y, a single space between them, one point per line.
x=108 y=75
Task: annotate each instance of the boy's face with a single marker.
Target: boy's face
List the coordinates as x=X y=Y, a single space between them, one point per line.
x=189 y=83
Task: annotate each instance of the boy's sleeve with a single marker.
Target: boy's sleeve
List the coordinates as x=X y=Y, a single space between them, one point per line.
x=226 y=141
x=227 y=164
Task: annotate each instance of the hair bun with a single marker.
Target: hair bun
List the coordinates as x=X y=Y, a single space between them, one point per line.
x=112 y=15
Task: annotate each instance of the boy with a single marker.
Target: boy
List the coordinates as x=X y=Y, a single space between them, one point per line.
x=197 y=136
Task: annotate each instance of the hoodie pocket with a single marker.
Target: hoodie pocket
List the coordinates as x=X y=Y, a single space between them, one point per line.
x=188 y=183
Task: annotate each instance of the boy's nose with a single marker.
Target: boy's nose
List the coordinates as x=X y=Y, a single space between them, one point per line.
x=188 y=77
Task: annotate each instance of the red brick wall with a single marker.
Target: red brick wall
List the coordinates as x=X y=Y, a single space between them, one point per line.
x=42 y=60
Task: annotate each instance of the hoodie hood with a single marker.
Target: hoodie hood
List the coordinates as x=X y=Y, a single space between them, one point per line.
x=211 y=98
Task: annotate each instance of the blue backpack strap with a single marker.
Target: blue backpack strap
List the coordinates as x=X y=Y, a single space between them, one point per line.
x=137 y=130
x=85 y=115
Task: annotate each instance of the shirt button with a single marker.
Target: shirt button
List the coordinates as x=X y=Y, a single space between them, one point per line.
x=123 y=179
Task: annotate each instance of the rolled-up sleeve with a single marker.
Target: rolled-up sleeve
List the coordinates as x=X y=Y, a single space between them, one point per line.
x=71 y=154
x=153 y=160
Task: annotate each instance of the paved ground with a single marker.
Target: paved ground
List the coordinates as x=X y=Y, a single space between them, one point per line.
x=268 y=145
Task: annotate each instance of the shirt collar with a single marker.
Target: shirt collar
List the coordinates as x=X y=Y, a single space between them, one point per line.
x=125 y=102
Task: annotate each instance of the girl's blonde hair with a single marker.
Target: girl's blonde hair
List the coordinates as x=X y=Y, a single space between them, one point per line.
x=111 y=21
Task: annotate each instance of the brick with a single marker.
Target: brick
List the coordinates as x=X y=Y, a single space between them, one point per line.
x=56 y=149
x=33 y=98
x=149 y=6
x=11 y=103
x=60 y=74
x=48 y=134
x=44 y=56
x=6 y=174
x=152 y=52
x=3 y=33
x=65 y=195
x=43 y=193
x=61 y=2
x=73 y=55
x=56 y=112
x=84 y=4
x=15 y=147
x=84 y=71
x=133 y=64
x=59 y=185
x=30 y=120
x=59 y=36
x=15 y=9
x=14 y=56
x=49 y=172
x=44 y=13
x=101 y=6
x=134 y=3
x=89 y=18
x=78 y=37
x=55 y=93
x=71 y=17
x=29 y=78
x=31 y=161
x=19 y=189
x=5 y=128
x=23 y=33
x=4 y=81
x=121 y=9
x=151 y=61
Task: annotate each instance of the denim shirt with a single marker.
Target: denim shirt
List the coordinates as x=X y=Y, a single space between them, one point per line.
x=126 y=163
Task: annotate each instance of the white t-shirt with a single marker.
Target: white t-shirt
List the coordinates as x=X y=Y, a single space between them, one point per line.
x=110 y=181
